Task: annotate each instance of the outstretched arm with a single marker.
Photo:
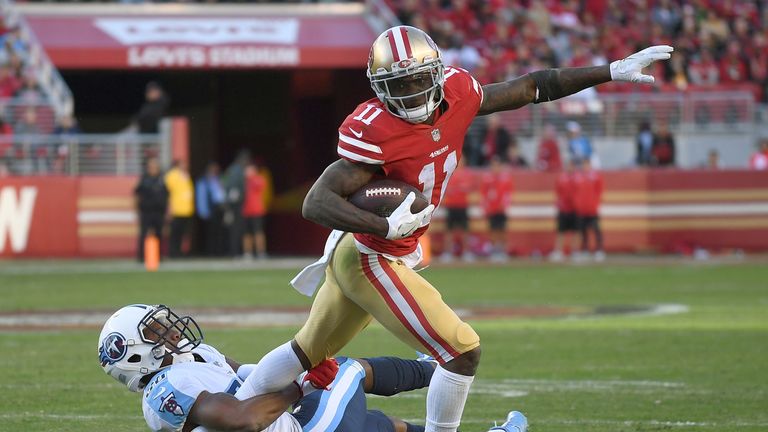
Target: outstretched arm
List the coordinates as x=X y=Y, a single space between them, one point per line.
x=551 y=84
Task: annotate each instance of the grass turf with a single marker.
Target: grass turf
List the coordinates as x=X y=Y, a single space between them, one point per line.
x=702 y=370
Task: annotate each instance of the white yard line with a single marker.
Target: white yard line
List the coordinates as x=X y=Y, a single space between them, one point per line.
x=46 y=320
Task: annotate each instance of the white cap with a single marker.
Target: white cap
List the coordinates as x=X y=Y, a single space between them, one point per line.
x=572 y=126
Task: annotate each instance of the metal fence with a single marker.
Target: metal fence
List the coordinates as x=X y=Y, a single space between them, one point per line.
x=105 y=154
x=619 y=115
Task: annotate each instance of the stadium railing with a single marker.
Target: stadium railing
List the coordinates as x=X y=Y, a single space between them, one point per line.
x=616 y=115
x=48 y=77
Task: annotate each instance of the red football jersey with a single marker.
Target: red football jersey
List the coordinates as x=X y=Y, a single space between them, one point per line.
x=564 y=191
x=497 y=192
x=589 y=191
x=421 y=155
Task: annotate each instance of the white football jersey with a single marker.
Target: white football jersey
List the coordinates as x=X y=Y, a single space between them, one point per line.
x=170 y=394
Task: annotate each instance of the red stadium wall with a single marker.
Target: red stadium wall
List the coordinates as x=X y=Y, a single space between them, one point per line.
x=67 y=216
x=644 y=210
x=664 y=211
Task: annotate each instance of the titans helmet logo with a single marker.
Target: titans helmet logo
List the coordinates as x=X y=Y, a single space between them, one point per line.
x=113 y=349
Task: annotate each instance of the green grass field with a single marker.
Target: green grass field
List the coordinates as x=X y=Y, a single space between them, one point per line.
x=701 y=370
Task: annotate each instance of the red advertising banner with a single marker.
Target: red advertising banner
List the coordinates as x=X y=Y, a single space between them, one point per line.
x=38 y=216
x=108 y=41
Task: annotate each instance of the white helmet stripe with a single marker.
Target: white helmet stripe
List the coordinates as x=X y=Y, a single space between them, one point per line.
x=398 y=47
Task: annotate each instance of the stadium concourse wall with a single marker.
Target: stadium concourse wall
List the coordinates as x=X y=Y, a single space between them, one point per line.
x=643 y=211
x=653 y=210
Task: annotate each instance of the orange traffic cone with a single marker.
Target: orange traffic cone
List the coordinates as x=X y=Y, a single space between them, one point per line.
x=151 y=253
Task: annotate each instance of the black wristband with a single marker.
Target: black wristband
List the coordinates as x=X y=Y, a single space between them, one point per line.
x=548 y=86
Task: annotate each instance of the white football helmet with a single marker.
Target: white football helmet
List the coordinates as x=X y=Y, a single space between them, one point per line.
x=136 y=340
x=405 y=52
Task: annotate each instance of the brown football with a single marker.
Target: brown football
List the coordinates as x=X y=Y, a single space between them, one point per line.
x=383 y=196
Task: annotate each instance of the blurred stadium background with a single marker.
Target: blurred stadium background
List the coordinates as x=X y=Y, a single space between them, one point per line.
x=577 y=346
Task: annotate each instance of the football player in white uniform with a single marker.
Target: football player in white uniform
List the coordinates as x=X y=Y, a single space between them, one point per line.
x=190 y=386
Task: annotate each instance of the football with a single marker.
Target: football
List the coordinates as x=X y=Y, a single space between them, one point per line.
x=383 y=196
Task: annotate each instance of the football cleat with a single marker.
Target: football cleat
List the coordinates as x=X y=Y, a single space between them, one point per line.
x=516 y=422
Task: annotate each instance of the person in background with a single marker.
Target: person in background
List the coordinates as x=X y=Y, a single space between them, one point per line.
x=151 y=201
x=513 y=157
x=182 y=202
x=456 y=202
x=548 y=156
x=153 y=110
x=645 y=141
x=713 y=160
x=6 y=142
x=210 y=200
x=496 y=189
x=588 y=188
x=30 y=147
x=234 y=186
x=663 y=151
x=497 y=138
x=67 y=131
x=579 y=147
x=759 y=159
x=566 y=212
x=254 y=209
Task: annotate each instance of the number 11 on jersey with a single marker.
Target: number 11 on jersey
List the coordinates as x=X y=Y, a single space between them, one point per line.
x=427 y=176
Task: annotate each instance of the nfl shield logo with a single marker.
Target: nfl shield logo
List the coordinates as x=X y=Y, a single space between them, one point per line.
x=435 y=135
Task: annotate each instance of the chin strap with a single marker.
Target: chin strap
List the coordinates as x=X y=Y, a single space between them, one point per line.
x=418 y=114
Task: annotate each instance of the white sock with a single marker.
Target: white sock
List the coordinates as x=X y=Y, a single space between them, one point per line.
x=273 y=373
x=446 y=397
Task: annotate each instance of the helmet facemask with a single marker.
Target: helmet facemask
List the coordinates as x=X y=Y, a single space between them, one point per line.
x=162 y=327
x=415 y=107
x=138 y=339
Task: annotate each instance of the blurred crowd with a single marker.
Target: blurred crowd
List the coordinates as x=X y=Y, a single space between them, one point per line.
x=717 y=43
x=229 y=208
x=655 y=146
x=22 y=103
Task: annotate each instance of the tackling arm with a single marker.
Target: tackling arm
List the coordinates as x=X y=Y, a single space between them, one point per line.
x=222 y=411
x=326 y=202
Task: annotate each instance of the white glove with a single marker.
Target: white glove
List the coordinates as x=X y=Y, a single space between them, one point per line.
x=629 y=69
x=402 y=223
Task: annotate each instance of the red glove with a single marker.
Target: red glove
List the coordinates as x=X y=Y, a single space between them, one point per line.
x=322 y=375
x=317 y=378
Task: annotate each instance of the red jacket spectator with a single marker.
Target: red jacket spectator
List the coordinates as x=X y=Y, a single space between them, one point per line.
x=8 y=82
x=704 y=71
x=759 y=159
x=548 y=156
x=732 y=66
x=564 y=192
x=588 y=187
x=496 y=188
x=255 y=186
x=457 y=193
x=6 y=137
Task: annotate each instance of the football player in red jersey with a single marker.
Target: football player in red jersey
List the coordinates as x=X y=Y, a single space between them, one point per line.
x=411 y=131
